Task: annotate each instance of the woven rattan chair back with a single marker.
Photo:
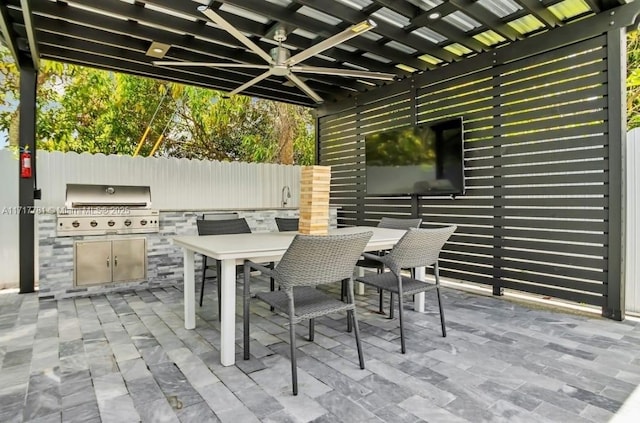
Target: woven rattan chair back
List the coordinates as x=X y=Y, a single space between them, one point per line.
x=287 y=223
x=320 y=259
x=223 y=227
x=396 y=223
x=418 y=248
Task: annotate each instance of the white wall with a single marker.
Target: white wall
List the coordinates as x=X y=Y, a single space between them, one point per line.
x=176 y=184
x=8 y=221
x=632 y=268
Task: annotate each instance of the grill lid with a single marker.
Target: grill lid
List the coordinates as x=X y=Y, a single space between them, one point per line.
x=86 y=195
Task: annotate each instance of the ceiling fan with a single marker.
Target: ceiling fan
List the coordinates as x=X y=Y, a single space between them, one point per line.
x=280 y=62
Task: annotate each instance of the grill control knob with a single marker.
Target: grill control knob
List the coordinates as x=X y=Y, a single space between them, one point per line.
x=75 y=223
x=111 y=223
x=93 y=223
x=143 y=222
x=127 y=222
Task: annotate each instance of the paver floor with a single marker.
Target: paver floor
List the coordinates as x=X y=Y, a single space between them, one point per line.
x=126 y=357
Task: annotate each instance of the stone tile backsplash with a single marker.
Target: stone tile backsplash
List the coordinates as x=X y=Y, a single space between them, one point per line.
x=164 y=260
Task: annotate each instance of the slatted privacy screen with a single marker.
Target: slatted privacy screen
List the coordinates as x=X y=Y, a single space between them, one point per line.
x=535 y=214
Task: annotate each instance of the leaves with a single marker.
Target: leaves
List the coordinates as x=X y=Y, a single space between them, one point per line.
x=82 y=109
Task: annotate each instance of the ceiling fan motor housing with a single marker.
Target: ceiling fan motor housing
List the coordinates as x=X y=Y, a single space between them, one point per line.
x=280 y=55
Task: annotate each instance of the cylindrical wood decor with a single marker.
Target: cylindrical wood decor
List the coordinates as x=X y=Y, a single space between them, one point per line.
x=315 y=183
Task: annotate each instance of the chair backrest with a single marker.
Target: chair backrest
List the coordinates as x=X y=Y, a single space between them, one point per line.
x=220 y=216
x=314 y=260
x=223 y=227
x=417 y=248
x=287 y=223
x=396 y=223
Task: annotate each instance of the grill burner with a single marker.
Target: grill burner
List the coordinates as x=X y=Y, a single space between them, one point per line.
x=107 y=209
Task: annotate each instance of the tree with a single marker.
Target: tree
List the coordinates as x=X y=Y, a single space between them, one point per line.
x=83 y=109
x=633 y=79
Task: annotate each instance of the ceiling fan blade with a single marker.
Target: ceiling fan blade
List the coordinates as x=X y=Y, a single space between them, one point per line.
x=252 y=82
x=221 y=22
x=209 y=64
x=343 y=72
x=304 y=87
x=347 y=34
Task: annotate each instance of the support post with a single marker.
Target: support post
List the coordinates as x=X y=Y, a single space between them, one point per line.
x=617 y=122
x=26 y=186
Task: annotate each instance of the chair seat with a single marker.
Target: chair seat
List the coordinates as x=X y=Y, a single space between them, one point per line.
x=309 y=302
x=365 y=262
x=389 y=282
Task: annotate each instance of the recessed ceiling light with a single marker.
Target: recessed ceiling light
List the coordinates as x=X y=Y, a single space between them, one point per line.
x=434 y=15
x=158 y=50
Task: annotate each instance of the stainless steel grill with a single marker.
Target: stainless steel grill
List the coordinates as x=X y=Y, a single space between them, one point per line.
x=107 y=209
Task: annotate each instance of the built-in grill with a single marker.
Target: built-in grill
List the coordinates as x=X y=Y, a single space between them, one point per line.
x=107 y=209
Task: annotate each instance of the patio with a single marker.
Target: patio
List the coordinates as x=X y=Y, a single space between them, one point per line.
x=127 y=357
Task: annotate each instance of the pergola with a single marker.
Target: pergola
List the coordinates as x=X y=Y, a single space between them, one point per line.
x=539 y=83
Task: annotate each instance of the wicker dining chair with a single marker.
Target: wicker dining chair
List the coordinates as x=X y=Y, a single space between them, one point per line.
x=417 y=248
x=388 y=223
x=219 y=227
x=310 y=260
x=287 y=223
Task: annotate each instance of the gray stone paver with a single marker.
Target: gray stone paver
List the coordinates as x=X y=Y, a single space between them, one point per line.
x=125 y=357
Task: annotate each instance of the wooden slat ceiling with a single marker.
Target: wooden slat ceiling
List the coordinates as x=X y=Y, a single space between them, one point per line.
x=411 y=36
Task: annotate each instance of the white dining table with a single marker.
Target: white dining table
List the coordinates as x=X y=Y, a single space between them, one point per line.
x=261 y=247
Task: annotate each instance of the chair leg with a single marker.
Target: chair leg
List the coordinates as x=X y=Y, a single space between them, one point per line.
x=351 y=314
x=402 y=346
x=381 y=301
x=246 y=309
x=312 y=329
x=219 y=283
x=437 y=277
x=272 y=283
x=391 y=305
x=204 y=273
x=444 y=330
x=294 y=368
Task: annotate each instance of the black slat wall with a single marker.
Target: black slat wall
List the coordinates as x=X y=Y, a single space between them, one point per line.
x=535 y=214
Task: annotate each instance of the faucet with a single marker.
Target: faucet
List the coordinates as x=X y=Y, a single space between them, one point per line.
x=286 y=194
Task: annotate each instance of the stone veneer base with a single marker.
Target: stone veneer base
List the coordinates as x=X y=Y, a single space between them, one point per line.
x=164 y=260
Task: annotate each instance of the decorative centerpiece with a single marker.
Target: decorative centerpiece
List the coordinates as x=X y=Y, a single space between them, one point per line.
x=315 y=184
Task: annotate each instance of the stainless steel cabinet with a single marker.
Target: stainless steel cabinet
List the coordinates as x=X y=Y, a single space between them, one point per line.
x=121 y=260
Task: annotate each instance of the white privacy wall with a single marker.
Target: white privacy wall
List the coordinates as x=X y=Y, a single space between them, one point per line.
x=632 y=268
x=8 y=221
x=176 y=184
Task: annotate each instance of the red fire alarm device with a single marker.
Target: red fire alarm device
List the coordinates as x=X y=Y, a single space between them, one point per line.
x=25 y=163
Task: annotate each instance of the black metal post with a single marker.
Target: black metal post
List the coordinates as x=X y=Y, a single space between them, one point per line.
x=617 y=123
x=26 y=249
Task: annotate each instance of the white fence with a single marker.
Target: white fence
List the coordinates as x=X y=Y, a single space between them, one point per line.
x=8 y=222
x=632 y=268
x=176 y=184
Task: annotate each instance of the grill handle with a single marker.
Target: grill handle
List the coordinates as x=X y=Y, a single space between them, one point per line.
x=115 y=261
x=108 y=261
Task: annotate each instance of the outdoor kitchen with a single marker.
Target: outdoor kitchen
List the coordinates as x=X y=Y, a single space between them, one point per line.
x=108 y=237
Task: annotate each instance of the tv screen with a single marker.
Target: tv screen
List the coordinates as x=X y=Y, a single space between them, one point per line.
x=427 y=159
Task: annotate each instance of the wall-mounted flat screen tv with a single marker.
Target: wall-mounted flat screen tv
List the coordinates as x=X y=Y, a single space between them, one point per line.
x=426 y=159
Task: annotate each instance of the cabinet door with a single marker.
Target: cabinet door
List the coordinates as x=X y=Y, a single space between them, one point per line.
x=129 y=259
x=92 y=262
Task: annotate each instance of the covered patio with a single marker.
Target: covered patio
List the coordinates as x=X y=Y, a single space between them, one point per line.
x=126 y=357
x=540 y=86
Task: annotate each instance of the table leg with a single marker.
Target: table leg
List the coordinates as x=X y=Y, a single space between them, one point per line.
x=189 y=290
x=360 y=285
x=228 y=313
x=418 y=299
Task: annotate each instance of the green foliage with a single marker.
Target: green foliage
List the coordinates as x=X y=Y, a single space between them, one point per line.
x=82 y=109
x=633 y=79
